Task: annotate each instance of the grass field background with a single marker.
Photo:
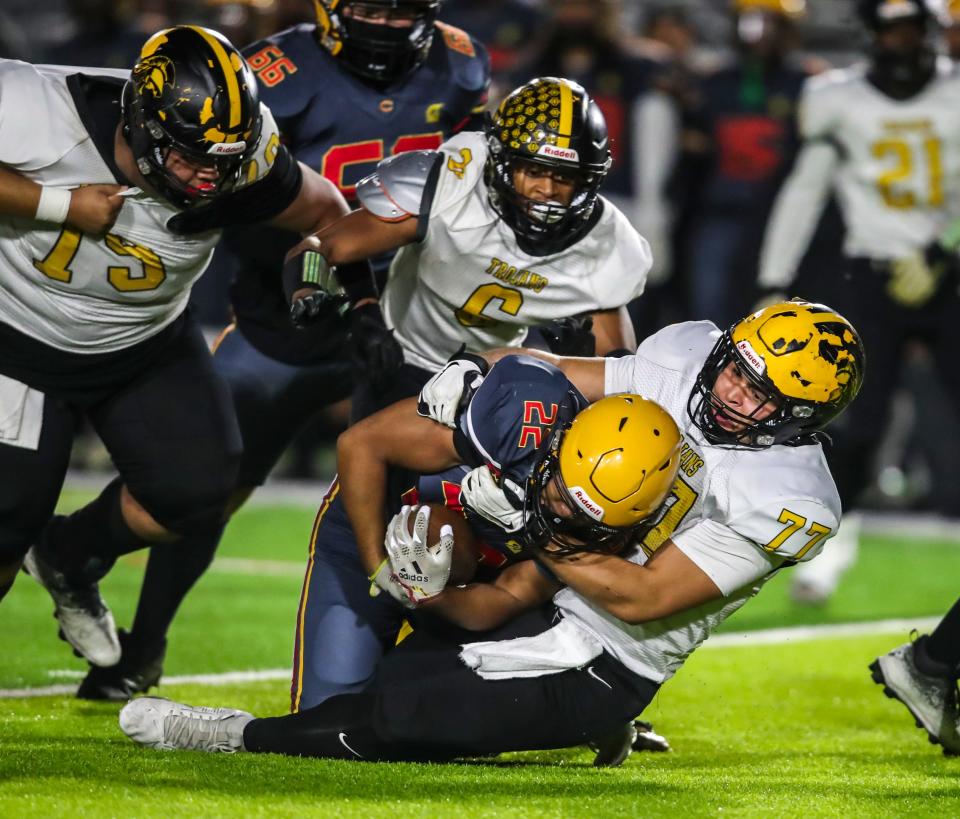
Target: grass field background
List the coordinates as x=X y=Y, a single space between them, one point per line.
x=793 y=729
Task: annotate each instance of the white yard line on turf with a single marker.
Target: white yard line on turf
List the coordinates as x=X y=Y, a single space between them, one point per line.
x=795 y=634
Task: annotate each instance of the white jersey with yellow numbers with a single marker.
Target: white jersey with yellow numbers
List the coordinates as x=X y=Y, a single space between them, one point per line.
x=893 y=164
x=738 y=514
x=69 y=290
x=468 y=282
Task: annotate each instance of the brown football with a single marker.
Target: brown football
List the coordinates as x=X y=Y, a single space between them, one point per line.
x=465 y=553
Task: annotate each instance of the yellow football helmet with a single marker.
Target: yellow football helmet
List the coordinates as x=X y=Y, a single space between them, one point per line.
x=614 y=466
x=791 y=9
x=953 y=11
x=805 y=356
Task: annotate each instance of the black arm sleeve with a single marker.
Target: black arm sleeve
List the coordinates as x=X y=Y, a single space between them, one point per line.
x=357 y=280
x=258 y=202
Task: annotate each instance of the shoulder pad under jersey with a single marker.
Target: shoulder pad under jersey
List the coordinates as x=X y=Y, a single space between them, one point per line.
x=395 y=190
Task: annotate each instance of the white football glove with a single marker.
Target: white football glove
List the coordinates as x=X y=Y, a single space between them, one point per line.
x=382 y=580
x=484 y=495
x=440 y=397
x=913 y=280
x=420 y=568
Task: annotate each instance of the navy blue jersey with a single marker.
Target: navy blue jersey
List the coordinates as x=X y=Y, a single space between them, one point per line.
x=750 y=119
x=503 y=427
x=341 y=127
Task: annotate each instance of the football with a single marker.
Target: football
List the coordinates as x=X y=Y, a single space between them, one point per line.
x=465 y=553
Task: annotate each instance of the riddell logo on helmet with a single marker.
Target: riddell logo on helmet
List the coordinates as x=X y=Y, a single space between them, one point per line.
x=750 y=356
x=559 y=153
x=586 y=503
x=228 y=148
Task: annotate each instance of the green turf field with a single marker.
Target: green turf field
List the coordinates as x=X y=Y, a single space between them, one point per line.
x=793 y=729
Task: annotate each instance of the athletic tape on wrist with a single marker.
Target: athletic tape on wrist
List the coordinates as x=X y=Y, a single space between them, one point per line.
x=53 y=206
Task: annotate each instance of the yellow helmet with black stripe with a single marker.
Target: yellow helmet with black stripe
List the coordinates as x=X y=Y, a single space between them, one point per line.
x=613 y=468
x=549 y=121
x=805 y=357
x=191 y=91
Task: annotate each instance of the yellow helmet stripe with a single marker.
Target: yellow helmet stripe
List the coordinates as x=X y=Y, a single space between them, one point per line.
x=229 y=73
x=566 y=116
x=153 y=43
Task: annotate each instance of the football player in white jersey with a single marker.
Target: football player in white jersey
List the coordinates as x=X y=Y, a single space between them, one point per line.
x=883 y=135
x=498 y=231
x=96 y=168
x=753 y=496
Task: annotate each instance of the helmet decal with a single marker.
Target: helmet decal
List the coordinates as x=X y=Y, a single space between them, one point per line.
x=805 y=357
x=191 y=91
x=553 y=122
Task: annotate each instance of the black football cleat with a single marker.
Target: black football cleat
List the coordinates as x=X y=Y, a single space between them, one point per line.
x=138 y=671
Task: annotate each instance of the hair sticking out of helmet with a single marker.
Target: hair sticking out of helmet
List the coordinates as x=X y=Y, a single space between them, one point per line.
x=805 y=358
x=554 y=124
x=380 y=40
x=191 y=102
x=602 y=481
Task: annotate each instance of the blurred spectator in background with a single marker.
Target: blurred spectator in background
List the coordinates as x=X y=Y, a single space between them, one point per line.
x=738 y=143
x=243 y=21
x=882 y=134
x=585 y=41
x=509 y=29
x=951 y=32
x=109 y=33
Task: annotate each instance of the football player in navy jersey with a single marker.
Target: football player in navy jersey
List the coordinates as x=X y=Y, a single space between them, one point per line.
x=368 y=80
x=509 y=426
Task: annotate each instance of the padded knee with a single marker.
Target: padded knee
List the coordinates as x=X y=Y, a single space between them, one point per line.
x=192 y=502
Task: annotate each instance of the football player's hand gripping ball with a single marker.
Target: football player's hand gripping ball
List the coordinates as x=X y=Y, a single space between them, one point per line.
x=423 y=569
x=480 y=491
x=383 y=580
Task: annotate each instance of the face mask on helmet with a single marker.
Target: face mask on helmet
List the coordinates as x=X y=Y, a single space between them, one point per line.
x=191 y=115
x=381 y=40
x=803 y=358
x=902 y=58
x=601 y=482
x=549 y=126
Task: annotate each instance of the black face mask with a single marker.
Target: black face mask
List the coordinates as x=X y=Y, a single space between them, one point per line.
x=902 y=76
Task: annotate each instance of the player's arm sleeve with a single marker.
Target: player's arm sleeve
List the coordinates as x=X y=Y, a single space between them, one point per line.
x=728 y=558
x=458 y=171
x=621 y=276
x=24 y=96
x=804 y=194
x=788 y=508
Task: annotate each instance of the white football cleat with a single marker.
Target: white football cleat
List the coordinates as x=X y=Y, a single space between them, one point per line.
x=931 y=700
x=85 y=620
x=167 y=726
